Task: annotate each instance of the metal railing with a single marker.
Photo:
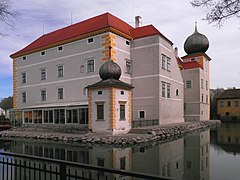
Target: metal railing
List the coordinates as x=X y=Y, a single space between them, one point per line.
x=24 y=167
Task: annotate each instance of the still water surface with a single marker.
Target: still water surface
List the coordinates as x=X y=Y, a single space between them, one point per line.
x=206 y=155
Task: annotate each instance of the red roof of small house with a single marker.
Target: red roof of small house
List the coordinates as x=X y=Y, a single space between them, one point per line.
x=191 y=64
x=84 y=28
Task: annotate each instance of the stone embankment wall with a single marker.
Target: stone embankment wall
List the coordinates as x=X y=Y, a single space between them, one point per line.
x=135 y=136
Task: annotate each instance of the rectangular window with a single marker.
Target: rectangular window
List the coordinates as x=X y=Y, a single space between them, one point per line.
x=60 y=71
x=206 y=99
x=206 y=85
x=128 y=43
x=43 y=53
x=100 y=111
x=43 y=74
x=163 y=61
x=122 y=111
x=90 y=40
x=188 y=84
x=90 y=65
x=60 y=48
x=43 y=95
x=229 y=104
x=202 y=98
x=236 y=104
x=221 y=104
x=82 y=69
x=168 y=63
x=141 y=114
x=168 y=91
x=24 y=58
x=99 y=92
x=201 y=83
x=163 y=90
x=128 y=67
x=24 y=97
x=123 y=163
x=24 y=77
x=60 y=93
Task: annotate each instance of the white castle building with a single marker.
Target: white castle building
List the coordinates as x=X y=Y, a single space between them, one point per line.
x=55 y=77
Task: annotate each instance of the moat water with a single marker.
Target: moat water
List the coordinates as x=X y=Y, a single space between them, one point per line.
x=212 y=154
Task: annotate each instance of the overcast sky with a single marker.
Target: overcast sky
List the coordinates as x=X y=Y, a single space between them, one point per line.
x=175 y=19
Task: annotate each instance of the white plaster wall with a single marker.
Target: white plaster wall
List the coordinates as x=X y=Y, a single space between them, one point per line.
x=122 y=126
x=101 y=126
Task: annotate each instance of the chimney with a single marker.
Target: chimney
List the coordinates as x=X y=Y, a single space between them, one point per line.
x=137 y=21
x=176 y=51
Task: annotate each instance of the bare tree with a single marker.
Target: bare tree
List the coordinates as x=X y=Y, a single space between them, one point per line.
x=6 y=13
x=219 y=10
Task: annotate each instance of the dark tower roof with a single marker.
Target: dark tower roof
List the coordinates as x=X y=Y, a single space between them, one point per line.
x=110 y=73
x=196 y=43
x=109 y=70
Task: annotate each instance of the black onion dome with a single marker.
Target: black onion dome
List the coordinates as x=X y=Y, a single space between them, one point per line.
x=109 y=70
x=196 y=43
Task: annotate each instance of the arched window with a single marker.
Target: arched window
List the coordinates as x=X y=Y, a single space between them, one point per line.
x=177 y=92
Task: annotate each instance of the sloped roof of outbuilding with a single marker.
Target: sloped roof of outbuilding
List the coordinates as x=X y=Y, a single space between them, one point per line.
x=95 y=25
x=230 y=94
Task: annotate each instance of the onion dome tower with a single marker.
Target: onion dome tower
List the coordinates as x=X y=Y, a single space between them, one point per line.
x=110 y=102
x=196 y=43
x=109 y=70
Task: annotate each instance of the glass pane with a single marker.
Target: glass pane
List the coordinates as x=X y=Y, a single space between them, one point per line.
x=69 y=116
x=50 y=116
x=82 y=116
x=62 y=116
x=75 y=115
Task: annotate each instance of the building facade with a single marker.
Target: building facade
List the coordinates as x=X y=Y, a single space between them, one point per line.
x=228 y=105
x=51 y=75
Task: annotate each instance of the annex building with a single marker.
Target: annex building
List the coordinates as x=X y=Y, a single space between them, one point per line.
x=57 y=79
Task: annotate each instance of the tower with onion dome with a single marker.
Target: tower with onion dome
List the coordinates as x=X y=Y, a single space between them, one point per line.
x=110 y=102
x=195 y=73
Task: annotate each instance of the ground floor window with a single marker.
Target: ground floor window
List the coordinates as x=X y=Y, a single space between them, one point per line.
x=57 y=116
x=100 y=111
x=141 y=114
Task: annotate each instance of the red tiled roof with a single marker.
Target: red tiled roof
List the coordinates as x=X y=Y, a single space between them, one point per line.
x=190 y=65
x=100 y=22
x=145 y=31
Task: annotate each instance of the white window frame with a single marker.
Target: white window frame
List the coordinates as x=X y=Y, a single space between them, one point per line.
x=24 y=58
x=43 y=99
x=190 y=84
x=25 y=81
x=90 y=42
x=24 y=100
x=145 y=115
x=168 y=64
x=43 y=54
x=62 y=93
x=90 y=59
x=163 y=61
x=58 y=48
x=58 y=70
x=128 y=70
x=45 y=69
x=127 y=43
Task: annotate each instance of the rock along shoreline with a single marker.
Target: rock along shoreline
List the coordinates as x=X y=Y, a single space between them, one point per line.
x=161 y=134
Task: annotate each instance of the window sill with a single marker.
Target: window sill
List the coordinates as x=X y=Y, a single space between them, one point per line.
x=122 y=119
x=100 y=119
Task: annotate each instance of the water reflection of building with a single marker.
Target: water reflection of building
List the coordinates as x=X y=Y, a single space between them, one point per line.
x=165 y=160
x=228 y=137
x=197 y=156
x=187 y=158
